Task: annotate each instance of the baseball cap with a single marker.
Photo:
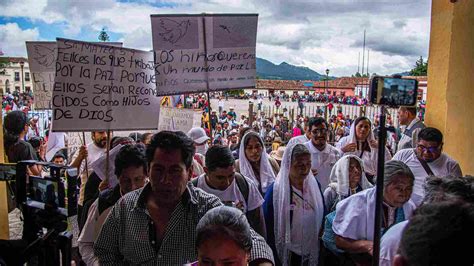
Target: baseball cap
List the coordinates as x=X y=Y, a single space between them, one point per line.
x=233 y=132
x=198 y=135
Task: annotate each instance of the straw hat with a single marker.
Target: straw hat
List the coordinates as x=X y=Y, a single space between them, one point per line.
x=278 y=154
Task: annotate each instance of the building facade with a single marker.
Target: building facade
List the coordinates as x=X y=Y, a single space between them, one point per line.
x=16 y=76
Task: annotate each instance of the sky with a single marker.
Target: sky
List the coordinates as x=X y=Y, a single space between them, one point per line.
x=319 y=34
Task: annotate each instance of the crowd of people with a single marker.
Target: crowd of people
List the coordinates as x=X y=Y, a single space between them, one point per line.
x=17 y=101
x=265 y=191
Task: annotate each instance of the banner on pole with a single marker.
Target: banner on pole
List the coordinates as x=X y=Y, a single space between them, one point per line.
x=175 y=119
x=99 y=87
x=196 y=53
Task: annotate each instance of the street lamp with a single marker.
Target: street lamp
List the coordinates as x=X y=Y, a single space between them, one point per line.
x=327 y=80
x=22 y=64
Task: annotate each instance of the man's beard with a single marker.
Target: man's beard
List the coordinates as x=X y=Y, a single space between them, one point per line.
x=101 y=143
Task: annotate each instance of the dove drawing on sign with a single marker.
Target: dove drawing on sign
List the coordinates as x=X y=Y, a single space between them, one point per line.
x=234 y=33
x=172 y=31
x=44 y=55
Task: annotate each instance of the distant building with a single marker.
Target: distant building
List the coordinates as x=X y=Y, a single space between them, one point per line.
x=343 y=86
x=11 y=77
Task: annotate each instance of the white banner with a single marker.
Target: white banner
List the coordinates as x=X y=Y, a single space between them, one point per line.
x=99 y=87
x=175 y=119
x=42 y=60
x=194 y=53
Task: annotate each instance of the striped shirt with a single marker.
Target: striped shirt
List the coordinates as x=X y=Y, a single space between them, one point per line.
x=128 y=236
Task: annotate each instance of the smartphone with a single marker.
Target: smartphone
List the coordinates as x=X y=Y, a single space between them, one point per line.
x=393 y=91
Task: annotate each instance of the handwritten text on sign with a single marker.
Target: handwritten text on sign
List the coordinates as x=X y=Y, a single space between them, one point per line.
x=174 y=119
x=199 y=52
x=100 y=87
x=41 y=59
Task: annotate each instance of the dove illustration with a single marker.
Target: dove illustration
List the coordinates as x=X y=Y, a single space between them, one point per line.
x=45 y=55
x=172 y=31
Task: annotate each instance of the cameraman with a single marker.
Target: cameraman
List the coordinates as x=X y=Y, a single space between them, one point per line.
x=131 y=170
x=15 y=128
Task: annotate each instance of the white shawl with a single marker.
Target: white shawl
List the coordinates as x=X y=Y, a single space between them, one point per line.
x=267 y=176
x=369 y=158
x=340 y=175
x=281 y=205
x=355 y=215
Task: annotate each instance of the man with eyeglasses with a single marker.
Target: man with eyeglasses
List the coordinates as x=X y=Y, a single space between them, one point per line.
x=323 y=155
x=427 y=159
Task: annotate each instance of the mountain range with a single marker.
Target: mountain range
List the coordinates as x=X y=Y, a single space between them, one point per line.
x=285 y=71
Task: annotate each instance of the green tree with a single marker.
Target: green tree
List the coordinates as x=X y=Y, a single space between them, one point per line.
x=421 y=68
x=3 y=64
x=103 y=36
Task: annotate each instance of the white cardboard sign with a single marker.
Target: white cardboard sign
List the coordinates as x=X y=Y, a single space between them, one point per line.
x=99 y=87
x=195 y=53
x=175 y=119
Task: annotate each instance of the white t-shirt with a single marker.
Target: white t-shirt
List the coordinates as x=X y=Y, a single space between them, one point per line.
x=93 y=153
x=442 y=166
x=298 y=140
x=232 y=193
x=303 y=214
x=323 y=161
x=390 y=242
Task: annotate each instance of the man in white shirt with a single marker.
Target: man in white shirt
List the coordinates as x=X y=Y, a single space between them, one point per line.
x=131 y=170
x=230 y=187
x=220 y=103
x=323 y=155
x=91 y=152
x=427 y=159
x=407 y=117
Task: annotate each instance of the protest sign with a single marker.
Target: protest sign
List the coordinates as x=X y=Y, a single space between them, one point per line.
x=210 y=52
x=41 y=60
x=99 y=87
x=175 y=119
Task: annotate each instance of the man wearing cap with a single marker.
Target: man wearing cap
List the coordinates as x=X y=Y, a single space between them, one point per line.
x=33 y=128
x=214 y=119
x=200 y=139
x=232 y=113
x=233 y=139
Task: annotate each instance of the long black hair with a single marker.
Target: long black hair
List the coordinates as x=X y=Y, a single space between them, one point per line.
x=13 y=126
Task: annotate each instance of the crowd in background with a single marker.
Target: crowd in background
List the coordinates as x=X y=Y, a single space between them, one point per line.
x=283 y=181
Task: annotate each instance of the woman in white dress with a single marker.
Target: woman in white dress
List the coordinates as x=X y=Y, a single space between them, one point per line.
x=361 y=143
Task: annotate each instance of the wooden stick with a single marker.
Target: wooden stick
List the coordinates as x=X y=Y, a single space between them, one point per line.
x=107 y=157
x=84 y=143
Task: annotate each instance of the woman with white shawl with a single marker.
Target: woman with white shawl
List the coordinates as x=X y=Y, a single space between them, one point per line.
x=353 y=224
x=294 y=210
x=361 y=143
x=255 y=163
x=350 y=176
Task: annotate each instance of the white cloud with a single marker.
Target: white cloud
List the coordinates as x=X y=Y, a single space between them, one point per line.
x=12 y=39
x=316 y=34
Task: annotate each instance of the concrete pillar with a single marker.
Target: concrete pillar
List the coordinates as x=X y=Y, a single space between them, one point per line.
x=450 y=98
x=4 y=228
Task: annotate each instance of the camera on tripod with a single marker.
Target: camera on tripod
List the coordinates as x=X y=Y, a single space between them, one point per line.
x=46 y=204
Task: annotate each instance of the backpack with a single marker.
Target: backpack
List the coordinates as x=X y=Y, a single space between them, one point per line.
x=242 y=184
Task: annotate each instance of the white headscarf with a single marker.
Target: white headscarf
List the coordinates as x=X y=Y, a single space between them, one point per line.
x=352 y=138
x=340 y=175
x=267 y=176
x=281 y=205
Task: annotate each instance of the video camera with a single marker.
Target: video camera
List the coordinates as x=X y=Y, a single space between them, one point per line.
x=46 y=203
x=393 y=92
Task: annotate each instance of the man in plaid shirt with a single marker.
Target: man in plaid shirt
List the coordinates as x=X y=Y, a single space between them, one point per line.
x=156 y=225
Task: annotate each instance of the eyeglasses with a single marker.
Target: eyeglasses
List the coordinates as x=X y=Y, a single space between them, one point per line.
x=433 y=149
x=319 y=131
